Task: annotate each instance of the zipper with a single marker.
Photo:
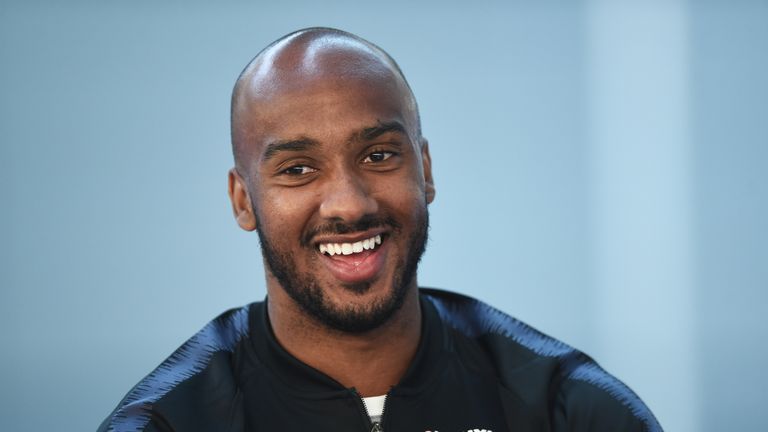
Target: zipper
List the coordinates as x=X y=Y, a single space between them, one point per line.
x=375 y=426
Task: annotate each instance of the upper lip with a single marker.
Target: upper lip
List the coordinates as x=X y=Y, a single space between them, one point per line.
x=350 y=237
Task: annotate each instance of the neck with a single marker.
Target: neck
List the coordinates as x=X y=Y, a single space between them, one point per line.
x=371 y=362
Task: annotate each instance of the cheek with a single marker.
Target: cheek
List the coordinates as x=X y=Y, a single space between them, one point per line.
x=403 y=196
x=283 y=213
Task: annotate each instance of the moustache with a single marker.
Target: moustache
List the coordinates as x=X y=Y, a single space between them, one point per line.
x=339 y=227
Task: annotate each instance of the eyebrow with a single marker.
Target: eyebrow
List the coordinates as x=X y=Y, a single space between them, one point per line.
x=296 y=145
x=303 y=144
x=374 y=132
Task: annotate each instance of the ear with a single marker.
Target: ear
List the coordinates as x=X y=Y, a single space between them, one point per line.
x=241 y=201
x=426 y=162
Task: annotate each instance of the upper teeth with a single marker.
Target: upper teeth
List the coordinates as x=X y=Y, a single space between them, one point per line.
x=350 y=248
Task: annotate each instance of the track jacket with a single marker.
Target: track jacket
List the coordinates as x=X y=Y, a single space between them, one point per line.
x=476 y=369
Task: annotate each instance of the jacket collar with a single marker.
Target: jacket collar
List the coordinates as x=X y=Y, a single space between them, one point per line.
x=293 y=373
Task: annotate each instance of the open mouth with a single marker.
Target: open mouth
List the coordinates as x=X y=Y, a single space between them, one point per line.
x=332 y=249
x=355 y=261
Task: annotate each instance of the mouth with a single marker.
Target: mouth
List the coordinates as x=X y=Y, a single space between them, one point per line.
x=332 y=249
x=354 y=260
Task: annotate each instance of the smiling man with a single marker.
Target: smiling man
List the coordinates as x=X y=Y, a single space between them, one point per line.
x=332 y=171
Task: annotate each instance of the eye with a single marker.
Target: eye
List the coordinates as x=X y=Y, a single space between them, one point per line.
x=298 y=170
x=378 y=156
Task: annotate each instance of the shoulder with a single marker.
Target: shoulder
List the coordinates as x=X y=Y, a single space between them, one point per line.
x=199 y=367
x=543 y=372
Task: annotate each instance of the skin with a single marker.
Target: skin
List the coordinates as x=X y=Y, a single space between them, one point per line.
x=305 y=161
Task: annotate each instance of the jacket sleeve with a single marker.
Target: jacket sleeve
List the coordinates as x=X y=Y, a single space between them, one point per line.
x=584 y=406
x=155 y=424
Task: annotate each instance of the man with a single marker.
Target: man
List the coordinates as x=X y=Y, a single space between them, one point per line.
x=332 y=171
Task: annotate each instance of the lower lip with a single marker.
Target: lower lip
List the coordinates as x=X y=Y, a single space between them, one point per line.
x=356 y=268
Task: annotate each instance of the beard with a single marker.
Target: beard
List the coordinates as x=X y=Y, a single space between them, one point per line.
x=304 y=289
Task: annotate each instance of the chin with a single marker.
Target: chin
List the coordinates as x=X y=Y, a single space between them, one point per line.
x=359 y=308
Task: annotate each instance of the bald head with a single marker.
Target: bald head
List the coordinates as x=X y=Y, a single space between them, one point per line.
x=300 y=63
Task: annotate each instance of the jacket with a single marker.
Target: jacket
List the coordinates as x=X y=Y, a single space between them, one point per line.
x=476 y=369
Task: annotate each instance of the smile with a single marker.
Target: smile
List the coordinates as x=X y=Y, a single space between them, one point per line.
x=332 y=249
x=355 y=261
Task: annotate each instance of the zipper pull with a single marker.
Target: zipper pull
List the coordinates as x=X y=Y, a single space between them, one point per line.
x=377 y=427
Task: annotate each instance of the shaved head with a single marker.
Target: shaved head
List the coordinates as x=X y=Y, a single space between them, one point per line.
x=300 y=62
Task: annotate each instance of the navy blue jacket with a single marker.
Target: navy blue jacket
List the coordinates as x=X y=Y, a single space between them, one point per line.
x=476 y=368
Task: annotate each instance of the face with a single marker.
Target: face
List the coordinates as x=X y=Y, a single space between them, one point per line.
x=339 y=185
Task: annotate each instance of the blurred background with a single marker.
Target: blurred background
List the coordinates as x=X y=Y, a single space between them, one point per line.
x=600 y=166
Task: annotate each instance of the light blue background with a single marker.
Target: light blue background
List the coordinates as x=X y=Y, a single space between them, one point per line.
x=600 y=165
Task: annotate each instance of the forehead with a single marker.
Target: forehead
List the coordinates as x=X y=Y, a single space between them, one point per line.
x=321 y=90
x=326 y=109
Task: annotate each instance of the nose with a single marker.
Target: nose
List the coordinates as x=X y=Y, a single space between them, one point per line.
x=347 y=198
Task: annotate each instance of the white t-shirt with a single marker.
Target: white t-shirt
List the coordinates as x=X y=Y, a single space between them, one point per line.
x=375 y=406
